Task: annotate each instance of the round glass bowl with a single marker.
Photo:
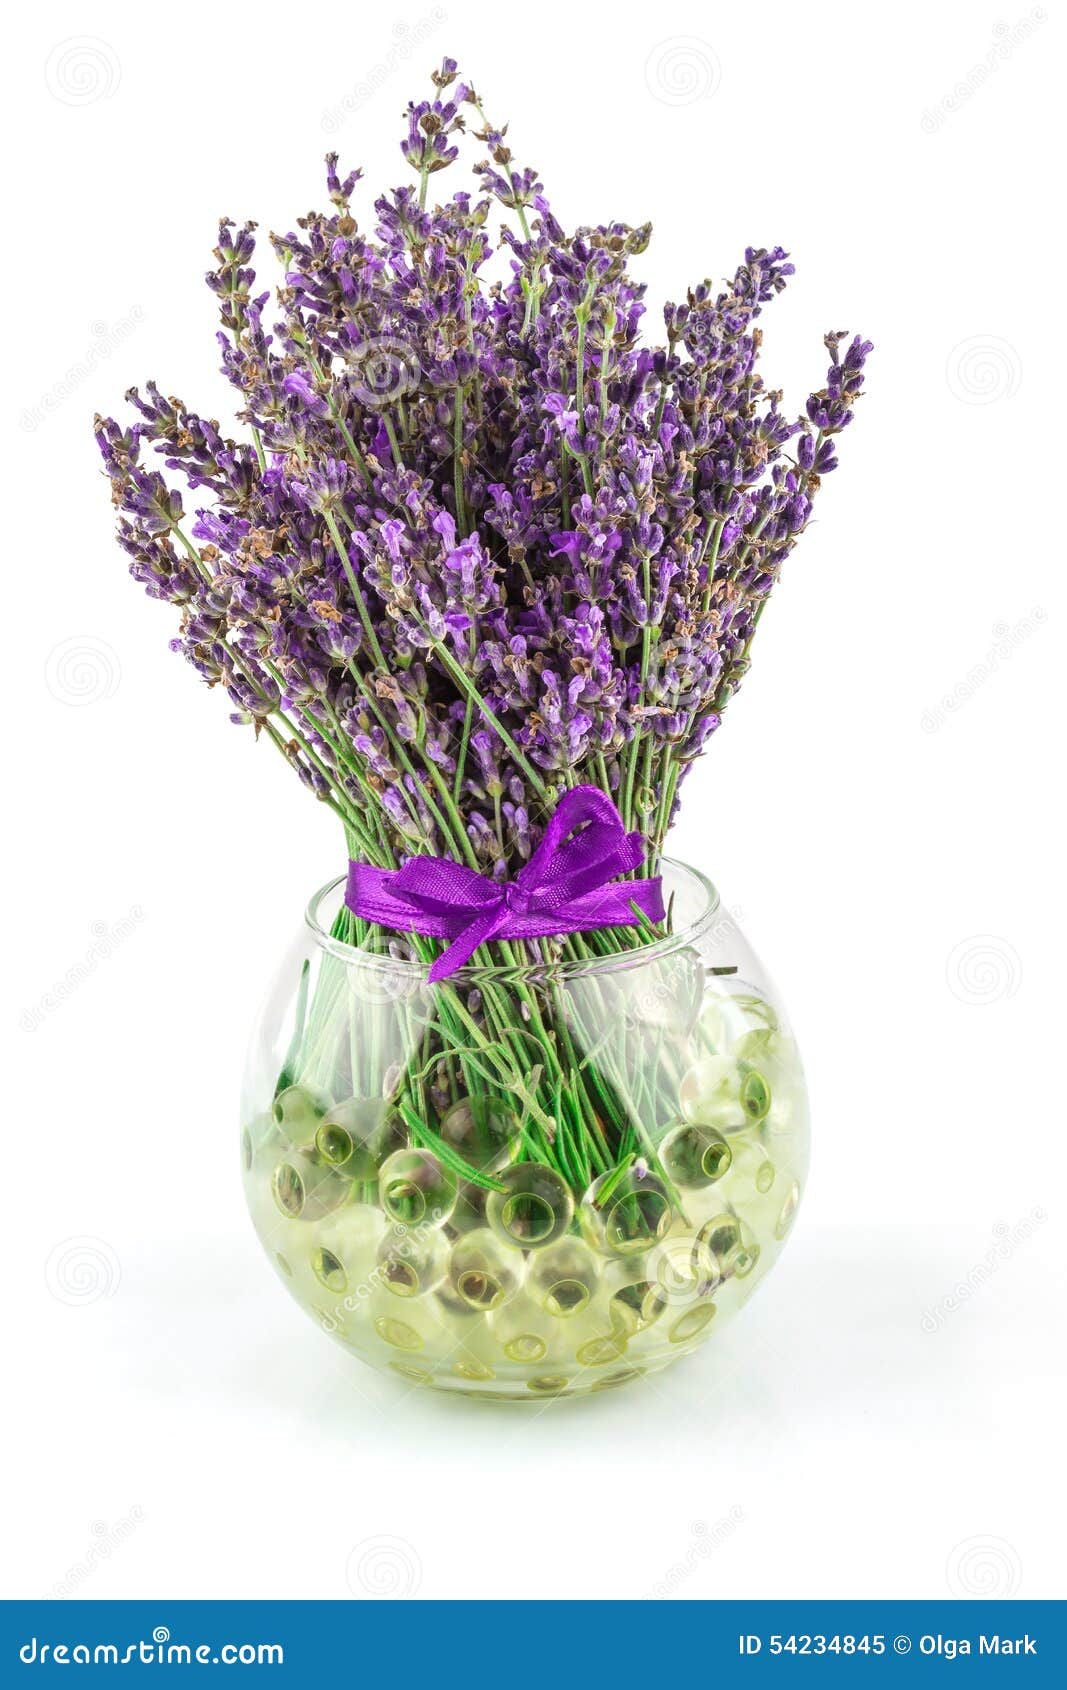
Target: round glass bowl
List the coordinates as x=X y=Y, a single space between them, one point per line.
x=524 y=1181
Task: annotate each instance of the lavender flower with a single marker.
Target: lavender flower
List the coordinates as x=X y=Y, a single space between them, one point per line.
x=477 y=541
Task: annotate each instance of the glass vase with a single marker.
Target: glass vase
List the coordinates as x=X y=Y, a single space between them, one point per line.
x=541 y=1178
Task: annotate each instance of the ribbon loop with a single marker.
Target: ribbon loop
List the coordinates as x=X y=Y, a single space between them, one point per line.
x=568 y=886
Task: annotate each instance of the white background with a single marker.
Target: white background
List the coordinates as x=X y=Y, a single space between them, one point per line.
x=883 y=1420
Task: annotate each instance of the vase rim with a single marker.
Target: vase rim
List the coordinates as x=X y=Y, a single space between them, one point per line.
x=675 y=873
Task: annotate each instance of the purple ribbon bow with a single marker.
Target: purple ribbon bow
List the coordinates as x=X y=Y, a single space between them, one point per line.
x=562 y=889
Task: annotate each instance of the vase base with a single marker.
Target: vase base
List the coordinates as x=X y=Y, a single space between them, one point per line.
x=539 y=1389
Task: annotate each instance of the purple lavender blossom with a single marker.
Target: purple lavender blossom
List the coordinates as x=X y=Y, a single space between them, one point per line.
x=477 y=541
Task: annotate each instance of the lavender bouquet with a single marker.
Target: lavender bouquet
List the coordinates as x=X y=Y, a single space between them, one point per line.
x=486 y=568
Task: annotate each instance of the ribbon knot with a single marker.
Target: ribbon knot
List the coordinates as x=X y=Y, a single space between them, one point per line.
x=564 y=888
x=517 y=901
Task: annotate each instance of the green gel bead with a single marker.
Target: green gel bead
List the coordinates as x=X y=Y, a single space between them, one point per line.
x=411 y=1262
x=692 y=1322
x=755 y=1009
x=483 y=1131
x=329 y=1270
x=467 y=1365
x=564 y=1277
x=297 y=1112
x=745 y=1260
x=548 y=1384
x=755 y=1095
x=721 y=1236
x=750 y=1164
x=788 y=1211
x=694 y=1155
x=527 y=1347
x=682 y=1266
x=611 y=1381
x=469 y=1211
x=398 y=1333
x=260 y=1140
x=523 y=1330
x=636 y=1306
x=483 y=1271
x=413 y=1370
x=287 y=1189
x=733 y=1253
x=710 y=1094
x=304 y=1189
x=634 y=1214
x=597 y=1352
x=415 y=1188
x=535 y=1208
x=758 y=1046
x=452 y=1306
x=718 y=1021
x=350 y=1236
x=346 y=1137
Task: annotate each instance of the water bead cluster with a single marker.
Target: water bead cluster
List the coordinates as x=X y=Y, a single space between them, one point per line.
x=478 y=541
x=527 y=1287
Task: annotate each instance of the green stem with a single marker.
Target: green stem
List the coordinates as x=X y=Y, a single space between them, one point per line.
x=357 y=591
x=463 y=680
